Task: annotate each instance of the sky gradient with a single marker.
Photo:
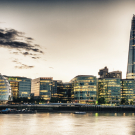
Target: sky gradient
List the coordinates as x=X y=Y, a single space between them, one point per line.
x=62 y=39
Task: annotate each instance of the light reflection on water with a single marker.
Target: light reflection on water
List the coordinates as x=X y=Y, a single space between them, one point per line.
x=68 y=124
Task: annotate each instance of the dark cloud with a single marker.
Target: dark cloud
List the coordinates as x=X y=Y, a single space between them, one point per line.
x=35 y=57
x=29 y=38
x=9 y=38
x=26 y=53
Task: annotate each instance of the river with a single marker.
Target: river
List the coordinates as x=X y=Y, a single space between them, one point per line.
x=68 y=124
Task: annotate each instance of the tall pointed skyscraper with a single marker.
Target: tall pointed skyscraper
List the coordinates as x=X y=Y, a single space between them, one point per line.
x=131 y=53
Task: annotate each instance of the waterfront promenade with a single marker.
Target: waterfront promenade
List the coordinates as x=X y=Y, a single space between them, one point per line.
x=63 y=107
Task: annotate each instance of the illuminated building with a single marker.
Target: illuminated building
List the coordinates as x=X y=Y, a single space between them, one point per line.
x=84 y=89
x=42 y=87
x=64 y=92
x=131 y=54
x=61 y=91
x=5 y=90
x=57 y=84
x=21 y=86
x=110 y=89
x=128 y=90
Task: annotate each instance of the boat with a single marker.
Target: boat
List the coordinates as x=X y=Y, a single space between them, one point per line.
x=79 y=112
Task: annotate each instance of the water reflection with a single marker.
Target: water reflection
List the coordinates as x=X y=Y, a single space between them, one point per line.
x=67 y=124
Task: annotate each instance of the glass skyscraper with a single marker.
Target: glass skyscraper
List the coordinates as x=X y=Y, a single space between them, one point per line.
x=131 y=54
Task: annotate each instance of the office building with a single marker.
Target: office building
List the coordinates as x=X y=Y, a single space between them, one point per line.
x=128 y=90
x=21 y=86
x=84 y=89
x=5 y=90
x=42 y=87
x=110 y=89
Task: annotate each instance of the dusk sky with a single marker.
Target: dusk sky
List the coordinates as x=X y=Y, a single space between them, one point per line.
x=63 y=39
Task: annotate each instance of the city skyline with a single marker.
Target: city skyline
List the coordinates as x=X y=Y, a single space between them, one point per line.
x=64 y=39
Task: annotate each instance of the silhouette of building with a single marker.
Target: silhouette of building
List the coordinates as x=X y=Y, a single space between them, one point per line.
x=105 y=74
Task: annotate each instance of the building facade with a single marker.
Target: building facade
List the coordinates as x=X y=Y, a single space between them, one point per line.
x=131 y=53
x=84 y=89
x=110 y=89
x=128 y=90
x=42 y=87
x=5 y=90
x=21 y=86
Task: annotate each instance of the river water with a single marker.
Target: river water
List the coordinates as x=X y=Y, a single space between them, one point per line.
x=68 y=124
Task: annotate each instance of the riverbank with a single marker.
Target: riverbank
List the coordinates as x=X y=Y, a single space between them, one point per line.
x=70 y=108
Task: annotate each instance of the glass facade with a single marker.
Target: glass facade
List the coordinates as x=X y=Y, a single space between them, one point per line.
x=42 y=87
x=110 y=89
x=21 y=86
x=131 y=54
x=5 y=89
x=15 y=88
x=84 y=89
x=128 y=90
x=64 y=92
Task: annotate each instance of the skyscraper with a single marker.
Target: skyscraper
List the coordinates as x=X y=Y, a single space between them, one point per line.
x=131 y=54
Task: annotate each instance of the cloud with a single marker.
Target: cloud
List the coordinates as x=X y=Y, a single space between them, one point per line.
x=26 y=53
x=10 y=39
x=22 y=66
x=29 y=38
x=35 y=57
x=15 y=52
x=51 y=67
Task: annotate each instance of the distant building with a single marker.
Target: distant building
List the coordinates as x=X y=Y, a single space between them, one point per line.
x=5 y=90
x=42 y=87
x=105 y=74
x=21 y=86
x=110 y=89
x=131 y=54
x=84 y=89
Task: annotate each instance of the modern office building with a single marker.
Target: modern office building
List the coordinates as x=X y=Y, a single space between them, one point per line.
x=110 y=89
x=105 y=74
x=56 y=86
x=64 y=92
x=84 y=89
x=131 y=53
x=42 y=87
x=128 y=90
x=21 y=86
x=5 y=90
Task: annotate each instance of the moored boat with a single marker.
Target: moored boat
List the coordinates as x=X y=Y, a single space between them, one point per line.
x=79 y=112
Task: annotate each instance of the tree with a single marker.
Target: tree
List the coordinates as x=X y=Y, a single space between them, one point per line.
x=131 y=102
x=123 y=101
x=101 y=100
